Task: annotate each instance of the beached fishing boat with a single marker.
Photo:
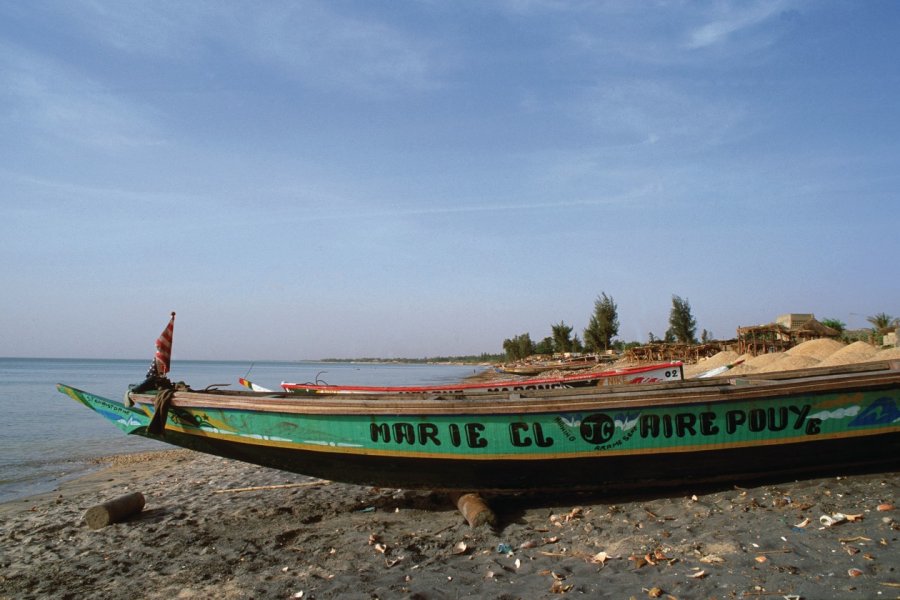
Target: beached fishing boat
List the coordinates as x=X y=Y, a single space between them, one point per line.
x=535 y=440
x=535 y=367
x=656 y=373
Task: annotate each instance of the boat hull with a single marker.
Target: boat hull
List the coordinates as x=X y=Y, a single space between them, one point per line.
x=603 y=438
x=573 y=474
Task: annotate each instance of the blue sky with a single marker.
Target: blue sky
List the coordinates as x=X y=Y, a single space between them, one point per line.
x=314 y=179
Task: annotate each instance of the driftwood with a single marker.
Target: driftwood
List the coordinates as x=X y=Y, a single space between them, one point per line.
x=114 y=510
x=273 y=487
x=474 y=509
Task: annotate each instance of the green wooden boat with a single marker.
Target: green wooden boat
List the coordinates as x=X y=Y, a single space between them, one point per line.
x=541 y=440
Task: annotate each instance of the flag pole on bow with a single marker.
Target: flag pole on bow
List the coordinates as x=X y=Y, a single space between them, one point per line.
x=163 y=358
x=156 y=376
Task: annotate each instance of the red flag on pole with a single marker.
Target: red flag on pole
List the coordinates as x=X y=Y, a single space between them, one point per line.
x=164 y=348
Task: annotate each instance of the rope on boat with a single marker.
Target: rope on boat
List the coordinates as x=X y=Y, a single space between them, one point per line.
x=161 y=404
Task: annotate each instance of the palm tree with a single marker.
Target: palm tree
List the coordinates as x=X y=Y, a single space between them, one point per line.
x=883 y=323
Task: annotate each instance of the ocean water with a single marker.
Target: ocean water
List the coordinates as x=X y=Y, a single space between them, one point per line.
x=46 y=437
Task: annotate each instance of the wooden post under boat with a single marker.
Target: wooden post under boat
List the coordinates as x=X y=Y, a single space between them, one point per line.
x=474 y=509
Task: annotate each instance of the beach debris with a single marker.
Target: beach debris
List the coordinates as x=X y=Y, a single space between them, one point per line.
x=712 y=559
x=575 y=513
x=600 y=558
x=639 y=561
x=375 y=540
x=834 y=519
x=854 y=572
x=858 y=538
x=503 y=548
x=884 y=507
x=660 y=556
x=760 y=559
x=653 y=592
x=802 y=523
x=559 y=586
x=527 y=544
x=700 y=574
x=115 y=510
x=460 y=548
x=281 y=486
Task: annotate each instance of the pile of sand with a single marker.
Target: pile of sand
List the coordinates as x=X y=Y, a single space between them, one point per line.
x=786 y=362
x=705 y=364
x=888 y=354
x=814 y=353
x=818 y=349
x=856 y=352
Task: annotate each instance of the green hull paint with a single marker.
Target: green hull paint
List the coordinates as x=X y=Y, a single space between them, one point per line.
x=128 y=419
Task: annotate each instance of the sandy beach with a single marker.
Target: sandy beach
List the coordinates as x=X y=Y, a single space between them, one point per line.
x=213 y=528
x=200 y=537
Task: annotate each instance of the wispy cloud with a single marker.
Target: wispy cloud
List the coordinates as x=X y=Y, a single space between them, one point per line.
x=55 y=102
x=324 y=47
x=726 y=20
x=658 y=33
x=308 y=41
x=648 y=112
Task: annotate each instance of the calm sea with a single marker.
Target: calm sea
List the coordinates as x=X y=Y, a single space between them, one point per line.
x=46 y=437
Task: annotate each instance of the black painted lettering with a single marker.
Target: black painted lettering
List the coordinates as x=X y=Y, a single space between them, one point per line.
x=667 y=426
x=428 y=433
x=801 y=413
x=516 y=435
x=757 y=419
x=404 y=432
x=539 y=438
x=813 y=426
x=649 y=426
x=473 y=435
x=455 y=437
x=597 y=428
x=685 y=423
x=778 y=418
x=380 y=432
x=733 y=419
x=708 y=423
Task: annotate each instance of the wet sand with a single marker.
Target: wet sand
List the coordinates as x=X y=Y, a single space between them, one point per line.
x=199 y=537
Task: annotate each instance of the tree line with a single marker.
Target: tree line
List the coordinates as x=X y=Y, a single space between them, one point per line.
x=602 y=327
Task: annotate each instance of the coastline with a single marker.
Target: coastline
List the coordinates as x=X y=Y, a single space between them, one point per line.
x=292 y=536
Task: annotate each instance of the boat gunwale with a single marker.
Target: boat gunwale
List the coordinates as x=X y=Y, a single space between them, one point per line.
x=881 y=374
x=483 y=387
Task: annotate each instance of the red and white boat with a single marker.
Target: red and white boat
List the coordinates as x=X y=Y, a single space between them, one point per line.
x=655 y=373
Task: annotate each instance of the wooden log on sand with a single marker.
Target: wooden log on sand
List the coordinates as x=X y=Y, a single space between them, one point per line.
x=474 y=509
x=115 y=510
